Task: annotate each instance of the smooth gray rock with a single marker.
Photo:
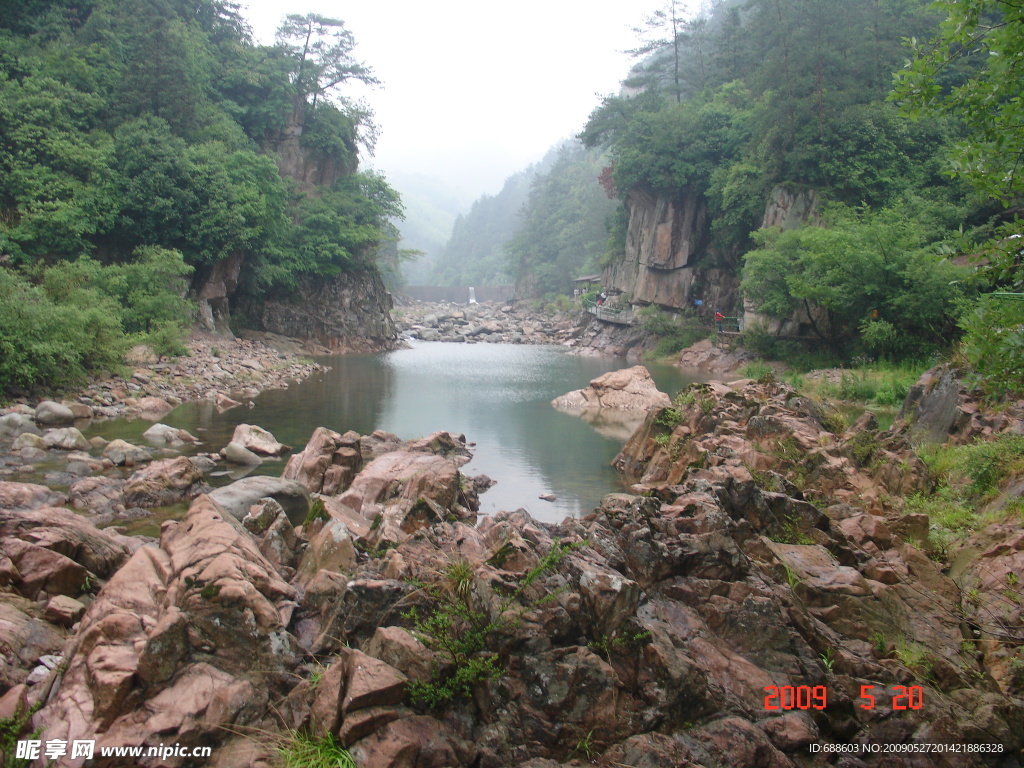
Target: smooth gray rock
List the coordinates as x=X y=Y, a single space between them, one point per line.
x=29 y=440
x=51 y=413
x=237 y=453
x=67 y=439
x=13 y=424
x=125 y=454
x=242 y=494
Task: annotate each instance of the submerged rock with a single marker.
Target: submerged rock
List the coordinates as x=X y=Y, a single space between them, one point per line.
x=125 y=454
x=172 y=437
x=237 y=453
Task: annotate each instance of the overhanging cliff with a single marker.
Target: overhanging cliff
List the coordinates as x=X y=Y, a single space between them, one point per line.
x=670 y=258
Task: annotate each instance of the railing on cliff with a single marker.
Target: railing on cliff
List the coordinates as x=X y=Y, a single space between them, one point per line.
x=609 y=314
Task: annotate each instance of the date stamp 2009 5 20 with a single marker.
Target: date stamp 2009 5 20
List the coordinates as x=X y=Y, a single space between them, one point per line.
x=894 y=698
x=785 y=697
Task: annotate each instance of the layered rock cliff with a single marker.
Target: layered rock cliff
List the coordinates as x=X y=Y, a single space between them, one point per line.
x=347 y=313
x=670 y=258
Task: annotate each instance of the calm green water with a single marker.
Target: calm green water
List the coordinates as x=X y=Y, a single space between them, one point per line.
x=497 y=395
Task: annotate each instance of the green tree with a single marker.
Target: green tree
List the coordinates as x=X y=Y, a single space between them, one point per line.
x=662 y=46
x=321 y=49
x=858 y=271
x=562 y=227
x=972 y=70
x=986 y=98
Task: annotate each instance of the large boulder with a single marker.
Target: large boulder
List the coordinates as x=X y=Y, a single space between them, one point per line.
x=186 y=643
x=52 y=414
x=165 y=482
x=328 y=462
x=237 y=453
x=14 y=424
x=629 y=388
x=66 y=439
x=18 y=496
x=237 y=498
x=25 y=636
x=171 y=437
x=125 y=454
x=68 y=534
x=258 y=440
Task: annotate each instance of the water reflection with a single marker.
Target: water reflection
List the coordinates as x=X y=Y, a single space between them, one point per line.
x=498 y=395
x=613 y=423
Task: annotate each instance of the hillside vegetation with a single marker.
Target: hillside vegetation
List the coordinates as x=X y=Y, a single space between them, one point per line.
x=142 y=143
x=908 y=173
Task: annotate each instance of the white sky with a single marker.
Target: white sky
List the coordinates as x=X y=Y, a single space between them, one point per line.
x=474 y=91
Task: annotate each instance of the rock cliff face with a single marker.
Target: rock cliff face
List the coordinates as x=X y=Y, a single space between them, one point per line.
x=213 y=287
x=670 y=259
x=308 y=168
x=347 y=313
x=667 y=259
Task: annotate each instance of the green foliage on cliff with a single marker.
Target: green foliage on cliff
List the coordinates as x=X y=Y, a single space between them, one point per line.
x=781 y=92
x=864 y=281
x=133 y=128
x=562 y=226
x=794 y=94
x=972 y=71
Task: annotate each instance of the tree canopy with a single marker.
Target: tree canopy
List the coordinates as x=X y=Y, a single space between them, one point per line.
x=130 y=128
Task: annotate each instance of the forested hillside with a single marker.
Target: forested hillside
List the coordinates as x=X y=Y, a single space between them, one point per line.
x=475 y=251
x=431 y=207
x=148 y=147
x=547 y=226
x=764 y=165
x=563 y=227
x=766 y=168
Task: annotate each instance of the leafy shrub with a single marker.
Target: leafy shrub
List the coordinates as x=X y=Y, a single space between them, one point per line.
x=758 y=369
x=42 y=341
x=993 y=344
x=674 y=332
x=83 y=316
x=987 y=463
x=458 y=628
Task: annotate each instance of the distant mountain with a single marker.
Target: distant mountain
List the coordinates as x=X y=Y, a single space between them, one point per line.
x=431 y=207
x=475 y=253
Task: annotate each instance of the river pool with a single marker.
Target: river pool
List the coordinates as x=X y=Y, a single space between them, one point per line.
x=497 y=395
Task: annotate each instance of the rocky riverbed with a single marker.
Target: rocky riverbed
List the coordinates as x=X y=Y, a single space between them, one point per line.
x=513 y=323
x=517 y=323
x=737 y=608
x=214 y=368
